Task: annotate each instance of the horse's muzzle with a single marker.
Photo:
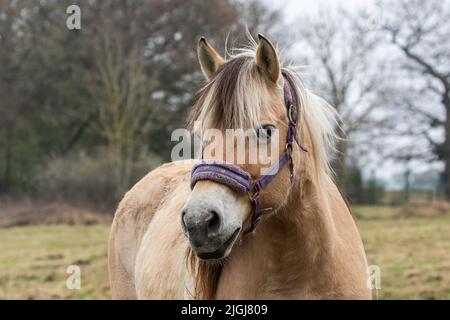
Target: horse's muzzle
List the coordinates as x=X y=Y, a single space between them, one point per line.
x=203 y=225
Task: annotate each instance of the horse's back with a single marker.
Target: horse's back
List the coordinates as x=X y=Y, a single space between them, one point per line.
x=146 y=224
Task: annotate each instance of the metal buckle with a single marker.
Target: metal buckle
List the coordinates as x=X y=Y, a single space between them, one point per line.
x=291 y=116
x=253 y=193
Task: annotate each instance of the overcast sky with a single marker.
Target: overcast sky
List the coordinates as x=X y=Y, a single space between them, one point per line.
x=294 y=8
x=385 y=170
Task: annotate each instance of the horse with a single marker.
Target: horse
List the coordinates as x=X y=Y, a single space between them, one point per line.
x=187 y=231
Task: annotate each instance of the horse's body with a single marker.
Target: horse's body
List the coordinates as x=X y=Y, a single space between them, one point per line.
x=308 y=249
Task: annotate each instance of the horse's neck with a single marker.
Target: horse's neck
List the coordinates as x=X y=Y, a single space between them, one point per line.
x=286 y=252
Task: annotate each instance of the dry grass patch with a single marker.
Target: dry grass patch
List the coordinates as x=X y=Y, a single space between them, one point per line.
x=31 y=212
x=413 y=254
x=34 y=261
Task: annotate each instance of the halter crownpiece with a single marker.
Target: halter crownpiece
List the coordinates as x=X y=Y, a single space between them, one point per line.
x=241 y=181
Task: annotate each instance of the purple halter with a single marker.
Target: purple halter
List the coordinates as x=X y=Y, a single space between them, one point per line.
x=240 y=180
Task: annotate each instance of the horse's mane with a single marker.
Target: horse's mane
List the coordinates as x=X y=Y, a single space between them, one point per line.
x=205 y=275
x=235 y=98
x=321 y=119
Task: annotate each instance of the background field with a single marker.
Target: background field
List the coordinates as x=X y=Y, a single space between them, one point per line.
x=412 y=253
x=88 y=110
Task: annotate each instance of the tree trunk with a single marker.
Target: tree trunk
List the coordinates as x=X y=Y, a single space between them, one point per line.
x=446 y=153
x=6 y=176
x=447 y=179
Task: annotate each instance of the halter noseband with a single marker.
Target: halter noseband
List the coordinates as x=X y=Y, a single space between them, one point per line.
x=240 y=180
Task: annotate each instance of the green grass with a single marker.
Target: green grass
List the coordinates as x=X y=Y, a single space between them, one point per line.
x=413 y=254
x=34 y=260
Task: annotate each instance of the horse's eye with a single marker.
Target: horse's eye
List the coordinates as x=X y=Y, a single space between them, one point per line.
x=265 y=132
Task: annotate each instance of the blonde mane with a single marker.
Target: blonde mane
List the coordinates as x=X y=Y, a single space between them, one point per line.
x=236 y=97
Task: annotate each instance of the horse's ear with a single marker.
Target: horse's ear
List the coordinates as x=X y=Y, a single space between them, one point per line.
x=208 y=57
x=267 y=59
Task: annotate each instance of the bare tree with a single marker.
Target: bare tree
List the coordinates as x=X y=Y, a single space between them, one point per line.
x=124 y=81
x=419 y=31
x=344 y=67
x=146 y=70
x=144 y=64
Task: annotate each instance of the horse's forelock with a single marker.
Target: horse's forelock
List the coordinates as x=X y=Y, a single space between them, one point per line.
x=234 y=98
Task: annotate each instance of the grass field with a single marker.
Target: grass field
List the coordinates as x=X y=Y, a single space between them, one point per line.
x=34 y=260
x=413 y=254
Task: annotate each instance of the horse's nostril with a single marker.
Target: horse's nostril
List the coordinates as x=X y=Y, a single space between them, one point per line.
x=200 y=224
x=183 y=222
x=213 y=222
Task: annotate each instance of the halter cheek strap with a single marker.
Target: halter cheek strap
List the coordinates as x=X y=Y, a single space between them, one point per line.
x=240 y=180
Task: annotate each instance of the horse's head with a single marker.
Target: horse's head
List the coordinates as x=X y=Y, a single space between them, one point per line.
x=247 y=92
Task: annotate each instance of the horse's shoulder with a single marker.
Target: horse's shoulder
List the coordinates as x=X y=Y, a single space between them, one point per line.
x=147 y=193
x=174 y=169
x=132 y=218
